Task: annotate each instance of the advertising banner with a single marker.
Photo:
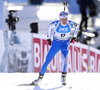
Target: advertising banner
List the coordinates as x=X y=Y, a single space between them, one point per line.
x=94 y=60
x=81 y=58
x=3 y=51
x=19 y=52
x=15 y=52
x=26 y=52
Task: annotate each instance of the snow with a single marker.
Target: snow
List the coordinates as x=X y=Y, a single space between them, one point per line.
x=51 y=81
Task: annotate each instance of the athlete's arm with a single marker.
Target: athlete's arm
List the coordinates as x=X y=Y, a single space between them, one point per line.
x=50 y=28
x=74 y=26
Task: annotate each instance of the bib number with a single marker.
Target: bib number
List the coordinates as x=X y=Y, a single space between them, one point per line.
x=63 y=35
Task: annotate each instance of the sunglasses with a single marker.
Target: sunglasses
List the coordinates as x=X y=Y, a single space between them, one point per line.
x=63 y=13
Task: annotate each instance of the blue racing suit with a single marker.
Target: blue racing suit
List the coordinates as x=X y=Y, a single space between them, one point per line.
x=61 y=41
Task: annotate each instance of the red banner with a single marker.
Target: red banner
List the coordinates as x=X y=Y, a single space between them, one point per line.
x=83 y=60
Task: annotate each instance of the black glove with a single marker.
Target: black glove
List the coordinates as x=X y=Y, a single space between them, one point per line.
x=49 y=41
x=73 y=40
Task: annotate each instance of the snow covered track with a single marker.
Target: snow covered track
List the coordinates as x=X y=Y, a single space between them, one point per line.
x=51 y=81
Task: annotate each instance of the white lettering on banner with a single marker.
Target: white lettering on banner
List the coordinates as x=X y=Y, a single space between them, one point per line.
x=84 y=64
x=92 y=63
x=76 y=63
x=99 y=65
x=69 y=66
x=36 y=55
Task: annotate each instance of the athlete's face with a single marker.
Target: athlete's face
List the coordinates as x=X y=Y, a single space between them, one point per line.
x=64 y=21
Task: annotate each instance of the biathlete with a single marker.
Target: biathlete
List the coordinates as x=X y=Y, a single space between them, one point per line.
x=63 y=36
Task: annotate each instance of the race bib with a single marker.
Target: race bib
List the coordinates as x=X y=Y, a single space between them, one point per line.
x=61 y=36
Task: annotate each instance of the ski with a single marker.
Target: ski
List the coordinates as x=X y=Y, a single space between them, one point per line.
x=30 y=84
x=26 y=84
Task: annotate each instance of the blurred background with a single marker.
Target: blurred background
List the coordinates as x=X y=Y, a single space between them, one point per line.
x=42 y=12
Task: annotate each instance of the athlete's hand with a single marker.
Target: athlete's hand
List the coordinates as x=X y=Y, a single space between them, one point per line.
x=73 y=40
x=49 y=41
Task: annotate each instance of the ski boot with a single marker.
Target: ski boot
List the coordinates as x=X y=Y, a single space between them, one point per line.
x=38 y=80
x=63 y=78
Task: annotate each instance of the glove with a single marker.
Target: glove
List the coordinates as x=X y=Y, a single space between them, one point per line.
x=73 y=40
x=49 y=41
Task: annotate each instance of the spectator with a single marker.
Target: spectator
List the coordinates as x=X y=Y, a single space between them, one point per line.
x=83 y=6
x=93 y=10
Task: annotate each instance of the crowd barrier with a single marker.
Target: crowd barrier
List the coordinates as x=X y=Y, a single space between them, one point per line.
x=86 y=60
x=26 y=52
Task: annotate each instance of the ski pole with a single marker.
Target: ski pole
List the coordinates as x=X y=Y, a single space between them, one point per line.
x=80 y=54
x=81 y=57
